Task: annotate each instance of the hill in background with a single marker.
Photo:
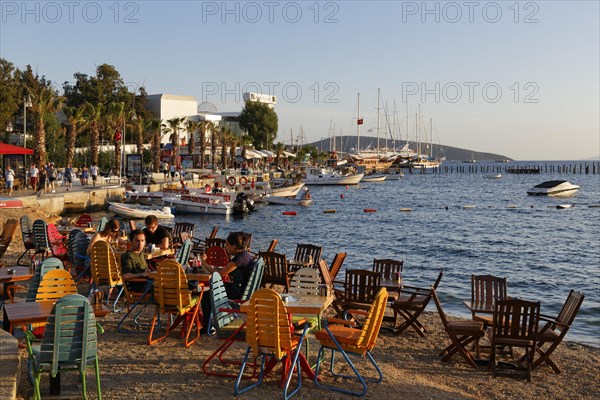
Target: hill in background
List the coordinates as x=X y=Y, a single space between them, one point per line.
x=346 y=143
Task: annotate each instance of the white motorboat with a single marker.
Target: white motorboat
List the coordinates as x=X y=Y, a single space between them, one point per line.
x=492 y=176
x=302 y=199
x=554 y=188
x=323 y=176
x=200 y=203
x=373 y=178
x=138 y=211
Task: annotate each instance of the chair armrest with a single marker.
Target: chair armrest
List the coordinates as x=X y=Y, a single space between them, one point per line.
x=339 y=321
x=357 y=312
x=415 y=288
x=229 y=310
x=551 y=320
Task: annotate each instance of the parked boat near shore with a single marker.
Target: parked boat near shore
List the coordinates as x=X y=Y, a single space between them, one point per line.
x=373 y=178
x=138 y=211
x=323 y=176
x=198 y=203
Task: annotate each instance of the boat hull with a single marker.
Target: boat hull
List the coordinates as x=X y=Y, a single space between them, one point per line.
x=200 y=204
x=554 y=188
x=283 y=201
x=378 y=178
x=11 y=203
x=138 y=212
x=333 y=180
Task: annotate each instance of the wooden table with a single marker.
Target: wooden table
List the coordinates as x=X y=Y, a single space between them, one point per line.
x=475 y=307
x=35 y=312
x=392 y=285
x=302 y=304
x=119 y=251
x=6 y=279
x=65 y=230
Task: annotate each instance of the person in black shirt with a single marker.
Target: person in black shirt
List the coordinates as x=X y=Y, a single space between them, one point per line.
x=155 y=234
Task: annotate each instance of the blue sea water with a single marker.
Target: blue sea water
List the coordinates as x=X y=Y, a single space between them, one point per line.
x=543 y=251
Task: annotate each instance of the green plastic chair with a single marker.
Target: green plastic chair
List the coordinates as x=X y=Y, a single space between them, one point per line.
x=69 y=343
x=183 y=256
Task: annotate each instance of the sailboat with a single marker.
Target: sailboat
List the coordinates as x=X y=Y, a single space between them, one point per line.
x=422 y=162
x=372 y=159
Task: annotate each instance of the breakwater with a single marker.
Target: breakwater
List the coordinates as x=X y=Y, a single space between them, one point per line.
x=582 y=168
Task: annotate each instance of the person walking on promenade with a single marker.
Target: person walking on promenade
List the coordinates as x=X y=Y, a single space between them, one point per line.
x=173 y=169
x=33 y=177
x=84 y=176
x=43 y=180
x=9 y=176
x=52 y=174
x=94 y=173
x=68 y=176
x=165 y=168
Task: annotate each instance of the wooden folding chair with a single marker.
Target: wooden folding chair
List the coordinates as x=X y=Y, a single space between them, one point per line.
x=276 y=269
x=486 y=289
x=180 y=228
x=360 y=288
x=309 y=253
x=551 y=334
x=461 y=333
x=8 y=233
x=411 y=304
x=516 y=325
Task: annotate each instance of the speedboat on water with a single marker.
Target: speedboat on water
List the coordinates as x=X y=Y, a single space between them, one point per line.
x=553 y=188
x=373 y=178
x=323 y=176
x=137 y=211
x=301 y=199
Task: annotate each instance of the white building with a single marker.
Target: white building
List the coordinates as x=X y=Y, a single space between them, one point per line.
x=167 y=106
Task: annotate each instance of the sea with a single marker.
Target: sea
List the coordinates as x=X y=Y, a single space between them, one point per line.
x=460 y=222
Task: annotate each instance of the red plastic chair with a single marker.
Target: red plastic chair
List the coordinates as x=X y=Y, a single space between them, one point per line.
x=217 y=256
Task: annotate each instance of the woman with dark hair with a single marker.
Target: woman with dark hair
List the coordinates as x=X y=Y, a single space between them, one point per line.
x=234 y=274
x=109 y=234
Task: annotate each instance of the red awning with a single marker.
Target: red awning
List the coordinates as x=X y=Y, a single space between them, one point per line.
x=10 y=149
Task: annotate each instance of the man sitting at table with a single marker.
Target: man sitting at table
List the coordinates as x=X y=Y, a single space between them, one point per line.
x=234 y=274
x=157 y=235
x=133 y=263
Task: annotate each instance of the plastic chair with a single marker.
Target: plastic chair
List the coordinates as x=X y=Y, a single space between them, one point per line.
x=268 y=333
x=47 y=265
x=339 y=336
x=183 y=256
x=172 y=296
x=69 y=343
x=27 y=237
x=101 y=224
x=254 y=280
x=217 y=256
x=40 y=238
x=56 y=284
x=105 y=270
x=84 y=221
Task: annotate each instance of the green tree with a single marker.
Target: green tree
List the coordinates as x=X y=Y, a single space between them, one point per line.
x=9 y=92
x=74 y=125
x=153 y=127
x=45 y=101
x=94 y=121
x=105 y=87
x=279 y=147
x=260 y=121
x=204 y=127
x=191 y=127
x=173 y=126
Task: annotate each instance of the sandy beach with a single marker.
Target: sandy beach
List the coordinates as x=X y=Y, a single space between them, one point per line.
x=130 y=369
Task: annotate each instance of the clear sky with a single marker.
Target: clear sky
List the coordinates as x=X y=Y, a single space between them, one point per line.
x=515 y=78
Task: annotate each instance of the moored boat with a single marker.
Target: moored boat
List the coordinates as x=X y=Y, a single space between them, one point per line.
x=10 y=203
x=323 y=176
x=554 y=188
x=302 y=199
x=373 y=178
x=138 y=211
x=198 y=203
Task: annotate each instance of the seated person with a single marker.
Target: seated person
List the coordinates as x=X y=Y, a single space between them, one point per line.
x=234 y=274
x=157 y=235
x=133 y=263
x=109 y=234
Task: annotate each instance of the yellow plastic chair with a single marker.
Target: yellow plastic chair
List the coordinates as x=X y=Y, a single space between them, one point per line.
x=55 y=285
x=339 y=335
x=268 y=333
x=105 y=269
x=172 y=297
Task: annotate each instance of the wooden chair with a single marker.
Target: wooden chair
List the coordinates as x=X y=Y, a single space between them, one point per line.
x=360 y=288
x=69 y=343
x=230 y=327
x=276 y=270
x=515 y=324
x=336 y=265
x=217 y=256
x=339 y=335
x=309 y=253
x=27 y=237
x=8 y=233
x=268 y=333
x=172 y=297
x=180 y=228
x=410 y=305
x=387 y=267
x=461 y=334
x=272 y=245
x=551 y=334
x=486 y=289
x=199 y=245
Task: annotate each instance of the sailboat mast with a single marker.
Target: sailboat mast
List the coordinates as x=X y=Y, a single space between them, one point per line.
x=378 y=96
x=358 y=125
x=431 y=138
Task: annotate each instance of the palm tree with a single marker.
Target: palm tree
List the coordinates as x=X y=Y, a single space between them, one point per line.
x=138 y=125
x=191 y=127
x=245 y=142
x=94 y=117
x=204 y=126
x=227 y=138
x=215 y=133
x=153 y=127
x=278 y=152
x=232 y=143
x=45 y=102
x=116 y=120
x=173 y=126
x=75 y=123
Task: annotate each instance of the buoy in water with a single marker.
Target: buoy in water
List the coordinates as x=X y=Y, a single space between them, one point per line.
x=342 y=196
x=406 y=209
x=563 y=206
x=370 y=210
x=346 y=186
x=289 y=213
x=468 y=206
x=329 y=211
x=511 y=206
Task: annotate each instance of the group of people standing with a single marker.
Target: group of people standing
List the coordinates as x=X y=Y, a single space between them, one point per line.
x=43 y=179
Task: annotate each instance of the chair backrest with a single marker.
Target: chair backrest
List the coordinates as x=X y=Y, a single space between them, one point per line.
x=182 y=227
x=267 y=325
x=40 y=236
x=171 y=291
x=71 y=244
x=487 y=289
x=217 y=256
x=55 y=238
x=516 y=319
x=213 y=232
x=103 y=265
x=276 y=269
x=81 y=242
x=307 y=252
x=305 y=281
x=70 y=335
x=210 y=242
x=101 y=224
x=183 y=256
x=272 y=245
x=8 y=231
x=219 y=301
x=372 y=324
x=361 y=285
x=26 y=230
x=55 y=285
x=387 y=267
x=568 y=312
x=84 y=221
x=48 y=264
x=438 y=305
x=336 y=265
x=324 y=271
x=254 y=279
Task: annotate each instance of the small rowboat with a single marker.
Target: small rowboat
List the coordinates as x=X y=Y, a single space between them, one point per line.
x=10 y=203
x=373 y=178
x=288 y=201
x=137 y=211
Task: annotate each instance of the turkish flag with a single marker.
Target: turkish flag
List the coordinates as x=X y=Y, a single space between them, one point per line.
x=359 y=121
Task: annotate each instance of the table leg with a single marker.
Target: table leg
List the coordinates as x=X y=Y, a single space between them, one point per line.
x=55 y=384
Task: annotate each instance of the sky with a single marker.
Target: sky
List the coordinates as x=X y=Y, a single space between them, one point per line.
x=516 y=78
